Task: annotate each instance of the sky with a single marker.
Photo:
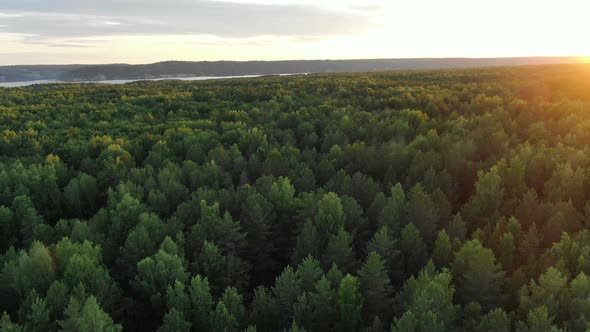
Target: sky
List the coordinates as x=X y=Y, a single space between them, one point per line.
x=145 y=31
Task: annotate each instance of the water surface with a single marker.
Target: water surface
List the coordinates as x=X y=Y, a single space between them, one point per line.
x=195 y=78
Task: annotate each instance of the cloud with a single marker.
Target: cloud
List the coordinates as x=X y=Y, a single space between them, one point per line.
x=265 y=40
x=43 y=19
x=32 y=41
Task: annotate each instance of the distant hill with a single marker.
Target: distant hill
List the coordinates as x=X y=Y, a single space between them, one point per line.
x=29 y=73
x=171 y=69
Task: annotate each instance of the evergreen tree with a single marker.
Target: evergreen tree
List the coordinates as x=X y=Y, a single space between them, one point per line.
x=477 y=276
x=156 y=273
x=233 y=302
x=7 y=325
x=222 y=320
x=8 y=229
x=263 y=311
x=308 y=273
x=457 y=228
x=427 y=300
x=538 y=321
x=38 y=318
x=507 y=251
x=286 y=291
x=87 y=317
x=394 y=213
x=27 y=218
x=174 y=321
x=423 y=213
x=443 y=250
x=308 y=243
x=201 y=303
x=384 y=244
x=339 y=251
x=413 y=249
x=322 y=302
x=350 y=304
x=376 y=288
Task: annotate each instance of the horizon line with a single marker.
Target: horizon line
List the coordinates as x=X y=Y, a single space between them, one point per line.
x=580 y=58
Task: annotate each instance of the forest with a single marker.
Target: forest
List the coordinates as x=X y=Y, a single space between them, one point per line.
x=439 y=200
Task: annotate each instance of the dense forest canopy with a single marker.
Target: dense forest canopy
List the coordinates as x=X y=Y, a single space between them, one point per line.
x=403 y=201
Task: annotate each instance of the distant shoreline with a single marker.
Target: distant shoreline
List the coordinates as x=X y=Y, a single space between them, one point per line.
x=180 y=78
x=214 y=69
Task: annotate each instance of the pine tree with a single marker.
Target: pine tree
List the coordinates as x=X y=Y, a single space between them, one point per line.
x=222 y=320
x=376 y=288
x=422 y=213
x=308 y=243
x=538 y=320
x=263 y=311
x=394 y=213
x=477 y=276
x=7 y=325
x=156 y=273
x=350 y=304
x=286 y=291
x=413 y=250
x=428 y=302
x=339 y=252
x=330 y=216
x=443 y=250
x=507 y=251
x=27 y=218
x=323 y=305
x=8 y=229
x=89 y=317
x=201 y=302
x=308 y=273
x=457 y=228
x=212 y=264
x=387 y=247
x=38 y=318
x=174 y=321
x=494 y=321
x=232 y=300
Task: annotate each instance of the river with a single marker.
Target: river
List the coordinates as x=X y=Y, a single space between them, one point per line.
x=195 y=78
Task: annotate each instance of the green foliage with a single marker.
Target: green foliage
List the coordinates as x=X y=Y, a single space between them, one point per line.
x=330 y=217
x=422 y=213
x=427 y=301
x=349 y=303
x=413 y=249
x=387 y=247
x=87 y=317
x=38 y=318
x=339 y=251
x=7 y=325
x=222 y=320
x=174 y=321
x=286 y=291
x=309 y=272
x=394 y=213
x=537 y=321
x=298 y=203
x=323 y=305
x=308 y=242
x=477 y=276
x=156 y=273
x=443 y=250
x=375 y=287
